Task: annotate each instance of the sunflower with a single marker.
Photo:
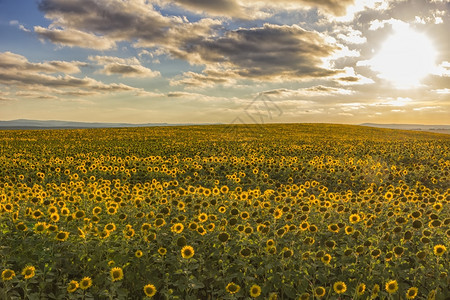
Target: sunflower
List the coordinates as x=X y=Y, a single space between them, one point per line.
x=110 y=227
x=203 y=217
x=313 y=228
x=224 y=189
x=85 y=283
x=304 y=296
x=146 y=227
x=187 y=252
x=232 y=288
x=319 y=292
x=138 y=253
x=411 y=293
x=354 y=218
x=398 y=251
x=339 y=287
x=111 y=210
x=349 y=230
x=162 y=251
x=223 y=237
x=28 y=272
x=159 y=222
x=277 y=213
x=388 y=196
x=255 y=291
x=79 y=214
x=21 y=226
x=245 y=252
x=360 y=289
x=391 y=286
x=116 y=274
x=150 y=290
x=375 y=291
x=439 y=250
x=72 y=286
x=177 y=228
x=96 y=210
x=40 y=227
x=129 y=233
x=54 y=217
x=326 y=259
x=201 y=230
x=333 y=228
x=375 y=253
x=62 y=236
x=304 y=226
x=8 y=274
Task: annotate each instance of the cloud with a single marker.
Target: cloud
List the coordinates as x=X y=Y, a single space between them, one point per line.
x=9 y=60
x=208 y=78
x=109 y=21
x=350 y=77
x=130 y=67
x=17 y=71
x=250 y=8
x=18 y=25
x=75 y=38
x=271 y=52
x=351 y=36
x=443 y=69
x=314 y=91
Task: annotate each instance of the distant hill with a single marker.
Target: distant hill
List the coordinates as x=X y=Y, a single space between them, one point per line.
x=418 y=127
x=55 y=124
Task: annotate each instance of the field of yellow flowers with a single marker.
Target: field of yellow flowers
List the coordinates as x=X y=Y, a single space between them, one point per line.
x=293 y=211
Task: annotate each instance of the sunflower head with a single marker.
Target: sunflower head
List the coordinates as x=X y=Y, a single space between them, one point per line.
x=411 y=293
x=162 y=251
x=187 y=252
x=304 y=296
x=150 y=290
x=28 y=272
x=85 y=283
x=232 y=288
x=391 y=286
x=72 y=286
x=339 y=287
x=319 y=292
x=255 y=291
x=439 y=250
x=116 y=274
x=8 y=274
x=360 y=289
x=62 y=235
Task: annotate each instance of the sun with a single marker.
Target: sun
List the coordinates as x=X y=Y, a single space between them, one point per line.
x=405 y=58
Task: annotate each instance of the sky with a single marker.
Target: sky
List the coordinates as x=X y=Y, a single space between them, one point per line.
x=226 y=61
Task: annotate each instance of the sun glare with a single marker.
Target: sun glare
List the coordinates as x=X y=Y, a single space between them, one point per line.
x=405 y=58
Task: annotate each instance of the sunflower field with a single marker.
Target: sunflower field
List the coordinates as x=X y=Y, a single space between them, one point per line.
x=292 y=211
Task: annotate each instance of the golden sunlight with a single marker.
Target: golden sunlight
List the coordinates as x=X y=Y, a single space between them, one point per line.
x=405 y=58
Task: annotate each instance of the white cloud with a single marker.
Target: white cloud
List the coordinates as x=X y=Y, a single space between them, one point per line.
x=130 y=67
x=75 y=38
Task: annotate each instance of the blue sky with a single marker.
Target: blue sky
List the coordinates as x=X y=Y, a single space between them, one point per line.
x=178 y=61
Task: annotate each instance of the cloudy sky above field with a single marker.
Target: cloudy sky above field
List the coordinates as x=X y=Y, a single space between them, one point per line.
x=227 y=61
